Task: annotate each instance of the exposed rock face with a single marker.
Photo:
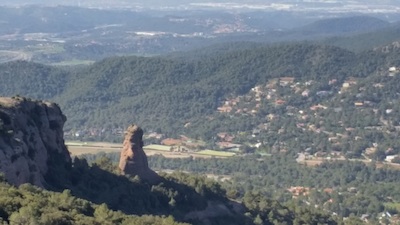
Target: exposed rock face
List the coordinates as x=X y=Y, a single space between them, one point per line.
x=133 y=160
x=31 y=135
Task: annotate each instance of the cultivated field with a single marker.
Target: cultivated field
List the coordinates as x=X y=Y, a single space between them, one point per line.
x=6 y=56
x=80 y=148
x=216 y=153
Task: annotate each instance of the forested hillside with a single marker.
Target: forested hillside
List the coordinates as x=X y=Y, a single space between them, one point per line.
x=175 y=95
x=348 y=189
x=139 y=89
x=99 y=195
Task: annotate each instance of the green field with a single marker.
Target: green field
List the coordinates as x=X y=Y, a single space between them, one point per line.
x=157 y=147
x=73 y=62
x=78 y=148
x=216 y=153
x=48 y=48
x=93 y=144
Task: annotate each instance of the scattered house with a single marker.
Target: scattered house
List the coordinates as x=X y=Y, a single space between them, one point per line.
x=280 y=102
x=346 y=85
x=271 y=117
x=155 y=135
x=379 y=85
x=389 y=151
x=256 y=89
x=228 y=145
x=323 y=93
x=171 y=142
x=78 y=133
x=352 y=189
x=316 y=107
x=296 y=89
x=364 y=217
x=333 y=139
x=370 y=150
x=389 y=158
x=336 y=154
x=393 y=69
x=257 y=145
x=300 y=125
x=308 y=83
x=351 y=81
x=358 y=104
x=284 y=81
x=299 y=191
x=224 y=109
x=328 y=190
x=305 y=93
x=332 y=82
x=225 y=137
x=320 y=154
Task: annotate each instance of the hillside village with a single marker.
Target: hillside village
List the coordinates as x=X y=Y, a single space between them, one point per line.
x=310 y=118
x=288 y=110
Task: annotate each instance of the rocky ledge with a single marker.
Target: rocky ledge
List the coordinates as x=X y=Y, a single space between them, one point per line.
x=31 y=140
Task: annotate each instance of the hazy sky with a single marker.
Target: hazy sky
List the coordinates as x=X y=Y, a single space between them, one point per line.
x=156 y=3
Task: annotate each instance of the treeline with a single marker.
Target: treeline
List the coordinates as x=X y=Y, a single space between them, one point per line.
x=97 y=194
x=347 y=188
x=28 y=204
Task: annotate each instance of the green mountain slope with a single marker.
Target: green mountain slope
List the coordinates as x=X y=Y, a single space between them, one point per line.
x=368 y=40
x=148 y=88
x=165 y=93
x=345 y=25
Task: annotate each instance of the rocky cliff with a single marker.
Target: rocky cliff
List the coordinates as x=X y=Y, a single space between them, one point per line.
x=31 y=140
x=133 y=160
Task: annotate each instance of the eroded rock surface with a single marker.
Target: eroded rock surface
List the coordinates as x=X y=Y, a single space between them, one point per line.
x=133 y=160
x=31 y=138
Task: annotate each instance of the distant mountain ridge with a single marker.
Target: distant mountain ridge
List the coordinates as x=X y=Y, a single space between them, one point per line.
x=354 y=24
x=70 y=35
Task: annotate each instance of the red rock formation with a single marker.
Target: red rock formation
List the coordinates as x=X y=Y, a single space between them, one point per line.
x=133 y=160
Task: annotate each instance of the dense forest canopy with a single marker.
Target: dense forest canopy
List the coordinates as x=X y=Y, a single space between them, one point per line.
x=175 y=94
x=353 y=188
